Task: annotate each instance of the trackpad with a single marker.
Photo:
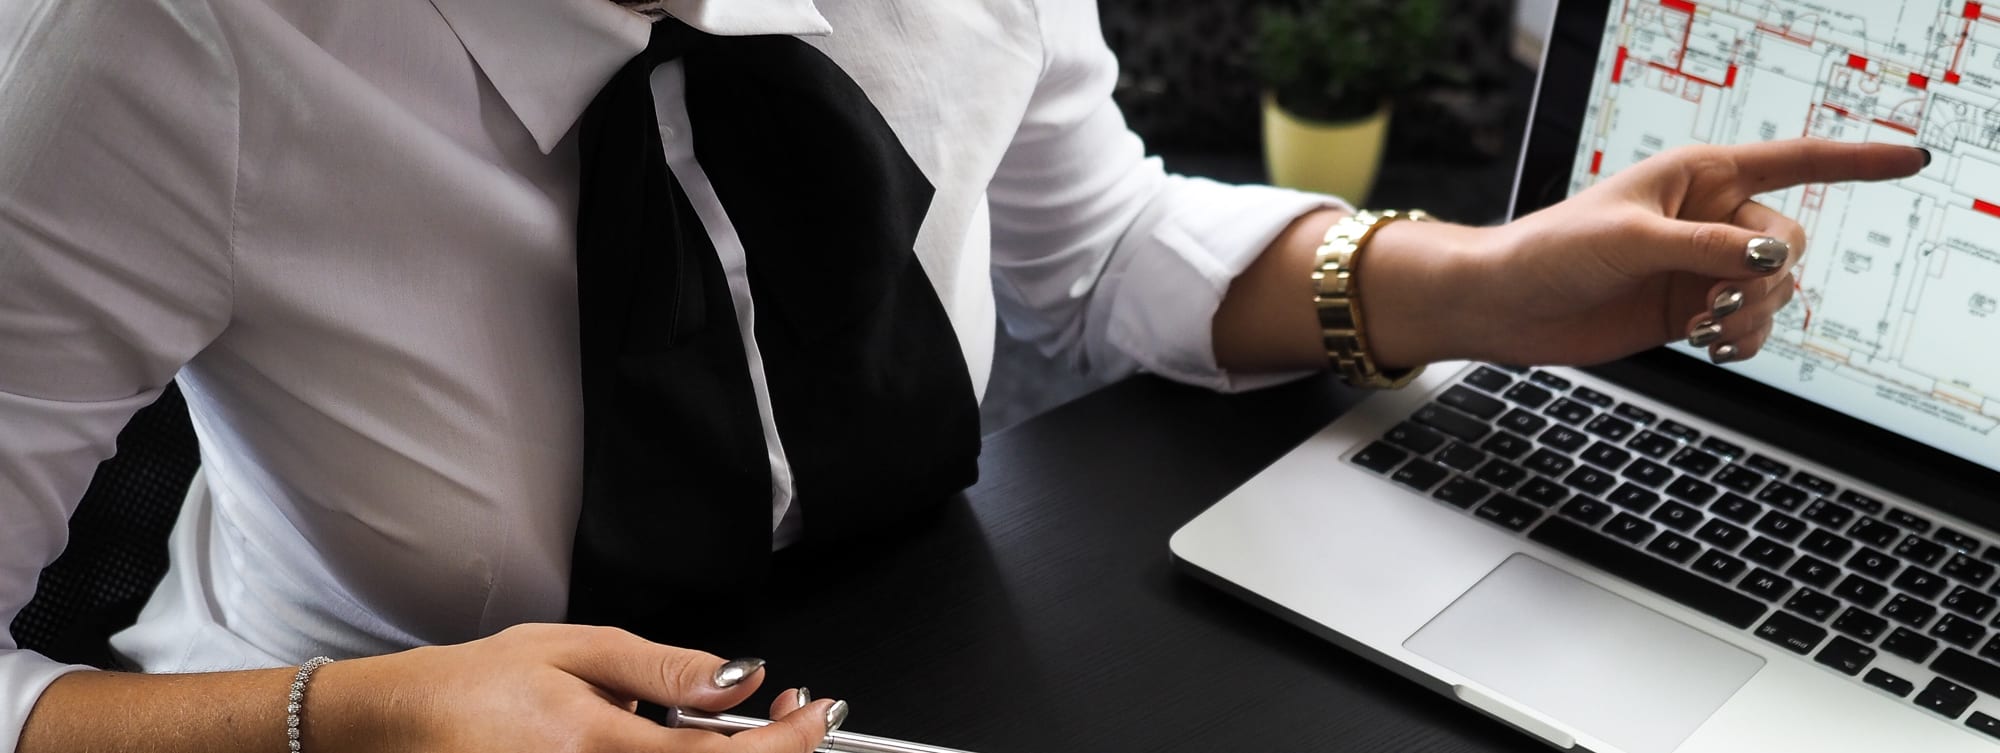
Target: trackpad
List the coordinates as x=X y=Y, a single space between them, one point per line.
x=1591 y=659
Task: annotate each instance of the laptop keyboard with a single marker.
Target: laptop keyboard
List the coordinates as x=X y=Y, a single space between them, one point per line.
x=1877 y=593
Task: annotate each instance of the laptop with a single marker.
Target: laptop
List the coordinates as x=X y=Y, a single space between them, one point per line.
x=1796 y=553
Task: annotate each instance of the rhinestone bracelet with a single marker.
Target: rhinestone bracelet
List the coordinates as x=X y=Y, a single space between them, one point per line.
x=295 y=702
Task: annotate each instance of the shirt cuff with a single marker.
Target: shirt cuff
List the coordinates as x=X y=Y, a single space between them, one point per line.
x=23 y=677
x=1192 y=241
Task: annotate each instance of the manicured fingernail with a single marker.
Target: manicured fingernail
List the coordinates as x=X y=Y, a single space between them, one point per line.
x=835 y=716
x=1724 y=353
x=1927 y=156
x=805 y=697
x=728 y=675
x=1704 y=333
x=1726 y=303
x=1767 y=254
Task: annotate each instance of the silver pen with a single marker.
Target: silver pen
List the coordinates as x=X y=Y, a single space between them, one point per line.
x=836 y=742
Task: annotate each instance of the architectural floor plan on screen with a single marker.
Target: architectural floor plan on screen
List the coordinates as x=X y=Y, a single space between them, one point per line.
x=1900 y=320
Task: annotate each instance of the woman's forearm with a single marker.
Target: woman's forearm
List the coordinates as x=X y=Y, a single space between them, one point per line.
x=218 y=712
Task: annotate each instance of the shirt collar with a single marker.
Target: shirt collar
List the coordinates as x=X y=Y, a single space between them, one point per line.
x=548 y=58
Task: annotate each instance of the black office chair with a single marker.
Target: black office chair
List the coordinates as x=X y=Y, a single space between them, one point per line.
x=118 y=540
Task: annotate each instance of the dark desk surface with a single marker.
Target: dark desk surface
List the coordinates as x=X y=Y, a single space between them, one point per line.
x=1044 y=614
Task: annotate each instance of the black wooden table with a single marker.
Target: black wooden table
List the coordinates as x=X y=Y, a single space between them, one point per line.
x=1043 y=614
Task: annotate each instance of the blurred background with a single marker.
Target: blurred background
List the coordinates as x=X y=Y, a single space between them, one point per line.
x=1454 y=78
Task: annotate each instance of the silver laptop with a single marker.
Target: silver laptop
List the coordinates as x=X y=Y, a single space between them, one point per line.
x=1797 y=553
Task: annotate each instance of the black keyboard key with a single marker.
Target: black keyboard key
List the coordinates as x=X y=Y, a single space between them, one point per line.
x=1633 y=497
x=1564 y=438
x=1780 y=526
x=1873 y=564
x=1983 y=724
x=1796 y=635
x=1506 y=445
x=1812 y=604
x=1462 y=492
x=1472 y=401
x=1862 y=625
x=1955 y=540
x=1674 y=547
x=1908 y=520
x=1461 y=457
x=1896 y=686
x=1846 y=656
x=1781 y=495
x=1975 y=672
x=1610 y=427
x=1818 y=486
x=1736 y=507
x=1924 y=583
x=1529 y=395
x=1592 y=397
x=1826 y=544
x=1722 y=535
x=1958 y=631
x=1420 y=475
x=1591 y=480
x=1648 y=473
x=1695 y=461
x=1970 y=603
x=1765 y=585
x=1542 y=491
x=1990 y=651
x=1768 y=553
x=1512 y=514
x=1910 y=645
x=1946 y=698
x=1590 y=511
x=1636 y=414
x=1522 y=422
x=1653 y=445
x=1678 y=430
x=1739 y=478
x=1606 y=456
x=1814 y=570
x=1489 y=379
x=1875 y=533
x=1451 y=422
x=1693 y=591
x=1549 y=463
x=1921 y=551
x=1502 y=474
x=1719 y=566
x=1380 y=457
x=1908 y=611
x=1828 y=514
x=1768 y=466
x=1677 y=516
x=1860 y=502
x=1505 y=367
x=1722 y=447
x=1569 y=411
x=1861 y=591
x=1414 y=438
x=1692 y=490
x=1630 y=529
x=1550 y=381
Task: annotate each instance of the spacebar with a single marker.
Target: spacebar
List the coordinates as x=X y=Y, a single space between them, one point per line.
x=1708 y=597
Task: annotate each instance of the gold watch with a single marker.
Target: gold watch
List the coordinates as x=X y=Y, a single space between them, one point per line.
x=1337 y=296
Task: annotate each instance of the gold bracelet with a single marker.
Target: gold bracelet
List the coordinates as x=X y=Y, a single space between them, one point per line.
x=1337 y=297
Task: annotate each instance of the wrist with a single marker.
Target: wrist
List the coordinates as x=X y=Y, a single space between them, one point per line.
x=349 y=707
x=1418 y=281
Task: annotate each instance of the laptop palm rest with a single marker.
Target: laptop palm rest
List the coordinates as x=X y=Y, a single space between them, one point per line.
x=1591 y=659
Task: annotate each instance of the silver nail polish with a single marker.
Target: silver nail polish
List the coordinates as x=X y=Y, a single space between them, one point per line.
x=1724 y=354
x=1704 y=333
x=1767 y=254
x=835 y=715
x=1726 y=303
x=728 y=675
x=805 y=697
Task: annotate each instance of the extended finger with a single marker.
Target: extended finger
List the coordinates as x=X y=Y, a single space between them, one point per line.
x=1772 y=165
x=634 y=667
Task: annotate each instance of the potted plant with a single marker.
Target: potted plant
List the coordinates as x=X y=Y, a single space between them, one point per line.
x=1331 y=70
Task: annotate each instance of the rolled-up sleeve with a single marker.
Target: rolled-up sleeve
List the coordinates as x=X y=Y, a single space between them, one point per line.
x=1102 y=258
x=117 y=174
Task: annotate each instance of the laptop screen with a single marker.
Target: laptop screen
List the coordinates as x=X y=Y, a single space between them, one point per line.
x=1898 y=320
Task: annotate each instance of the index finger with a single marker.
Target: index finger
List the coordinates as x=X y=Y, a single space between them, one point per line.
x=1773 y=165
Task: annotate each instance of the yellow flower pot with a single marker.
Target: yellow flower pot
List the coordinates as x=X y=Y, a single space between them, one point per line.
x=1332 y=158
